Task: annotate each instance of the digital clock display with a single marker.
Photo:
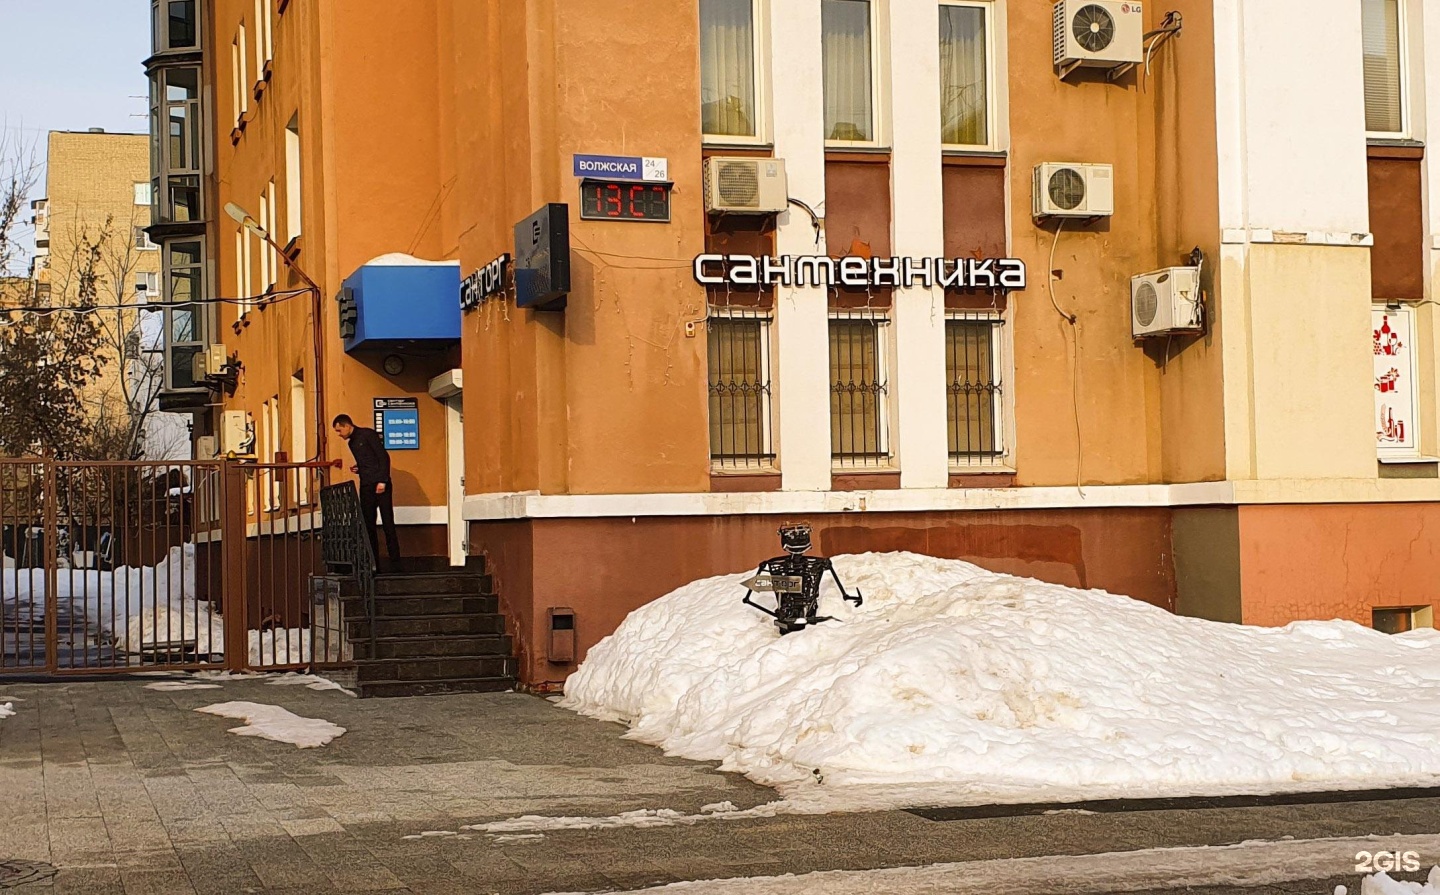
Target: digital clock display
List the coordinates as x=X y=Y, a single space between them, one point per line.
x=624 y=200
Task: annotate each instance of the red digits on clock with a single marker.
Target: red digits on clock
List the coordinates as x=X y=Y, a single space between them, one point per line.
x=637 y=199
x=612 y=199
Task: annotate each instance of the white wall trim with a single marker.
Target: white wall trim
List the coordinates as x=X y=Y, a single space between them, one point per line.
x=422 y=515
x=1262 y=236
x=531 y=505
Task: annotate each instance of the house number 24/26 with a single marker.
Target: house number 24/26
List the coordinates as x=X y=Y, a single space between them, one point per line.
x=1386 y=861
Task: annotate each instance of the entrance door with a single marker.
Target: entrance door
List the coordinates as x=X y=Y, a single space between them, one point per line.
x=455 y=506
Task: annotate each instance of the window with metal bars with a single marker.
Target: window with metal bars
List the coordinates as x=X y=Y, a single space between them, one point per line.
x=859 y=389
x=740 y=396
x=975 y=399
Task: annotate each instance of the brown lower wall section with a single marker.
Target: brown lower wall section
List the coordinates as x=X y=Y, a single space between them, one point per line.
x=606 y=568
x=1337 y=561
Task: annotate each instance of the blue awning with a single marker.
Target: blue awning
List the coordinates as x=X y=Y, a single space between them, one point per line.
x=400 y=301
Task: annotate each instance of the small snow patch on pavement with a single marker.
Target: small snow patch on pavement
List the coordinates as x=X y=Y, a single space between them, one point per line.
x=520 y=837
x=178 y=686
x=1382 y=884
x=641 y=819
x=309 y=682
x=271 y=722
x=7 y=709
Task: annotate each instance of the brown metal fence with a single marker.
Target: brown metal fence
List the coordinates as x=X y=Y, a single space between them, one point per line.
x=164 y=566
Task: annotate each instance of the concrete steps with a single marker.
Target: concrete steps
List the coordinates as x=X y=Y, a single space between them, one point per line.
x=435 y=631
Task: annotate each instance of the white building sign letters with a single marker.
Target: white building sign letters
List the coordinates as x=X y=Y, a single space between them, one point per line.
x=1395 y=392
x=861 y=273
x=483 y=283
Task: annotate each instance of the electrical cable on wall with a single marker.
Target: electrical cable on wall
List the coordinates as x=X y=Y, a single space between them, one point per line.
x=266 y=300
x=1074 y=322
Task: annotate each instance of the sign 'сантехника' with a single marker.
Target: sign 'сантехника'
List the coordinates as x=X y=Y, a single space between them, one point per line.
x=820 y=270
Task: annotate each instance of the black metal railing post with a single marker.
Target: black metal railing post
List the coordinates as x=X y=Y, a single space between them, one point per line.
x=345 y=545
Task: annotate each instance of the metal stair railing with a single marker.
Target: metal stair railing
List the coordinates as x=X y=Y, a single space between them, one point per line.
x=346 y=545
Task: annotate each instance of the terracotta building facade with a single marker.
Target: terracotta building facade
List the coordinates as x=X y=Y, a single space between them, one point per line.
x=755 y=196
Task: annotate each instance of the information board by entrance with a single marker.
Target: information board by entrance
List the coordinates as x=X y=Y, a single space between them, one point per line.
x=397 y=422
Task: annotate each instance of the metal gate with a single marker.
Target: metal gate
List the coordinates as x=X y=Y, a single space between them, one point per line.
x=116 y=567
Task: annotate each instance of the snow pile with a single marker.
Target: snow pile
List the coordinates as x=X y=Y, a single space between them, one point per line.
x=1382 y=884
x=7 y=710
x=953 y=685
x=271 y=722
x=180 y=686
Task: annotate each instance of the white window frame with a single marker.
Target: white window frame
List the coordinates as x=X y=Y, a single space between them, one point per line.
x=299 y=441
x=294 y=181
x=1418 y=405
x=143 y=194
x=879 y=82
x=1402 y=15
x=766 y=319
x=760 y=17
x=1004 y=416
x=142 y=240
x=995 y=84
x=884 y=319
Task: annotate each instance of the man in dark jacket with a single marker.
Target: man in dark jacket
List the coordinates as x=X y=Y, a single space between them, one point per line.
x=372 y=465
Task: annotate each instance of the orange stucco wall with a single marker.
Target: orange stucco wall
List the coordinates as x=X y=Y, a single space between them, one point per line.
x=1140 y=418
x=1337 y=561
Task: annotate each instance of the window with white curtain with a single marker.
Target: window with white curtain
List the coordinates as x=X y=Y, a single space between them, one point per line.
x=849 y=46
x=966 y=96
x=729 y=85
x=1384 y=40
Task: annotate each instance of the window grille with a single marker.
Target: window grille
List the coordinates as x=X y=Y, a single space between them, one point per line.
x=740 y=392
x=975 y=398
x=859 y=388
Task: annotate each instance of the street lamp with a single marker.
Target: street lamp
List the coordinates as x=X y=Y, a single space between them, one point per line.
x=244 y=219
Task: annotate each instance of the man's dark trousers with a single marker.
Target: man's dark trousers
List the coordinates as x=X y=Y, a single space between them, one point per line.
x=385 y=503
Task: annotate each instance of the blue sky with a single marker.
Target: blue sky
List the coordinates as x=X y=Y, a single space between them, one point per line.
x=73 y=65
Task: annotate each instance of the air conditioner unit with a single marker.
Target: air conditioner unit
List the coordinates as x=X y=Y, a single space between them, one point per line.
x=746 y=186
x=212 y=363
x=207 y=447
x=1098 y=34
x=237 y=439
x=1165 y=302
x=1074 y=191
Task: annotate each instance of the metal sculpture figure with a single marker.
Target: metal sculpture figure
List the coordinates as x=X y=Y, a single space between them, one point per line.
x=795 y=580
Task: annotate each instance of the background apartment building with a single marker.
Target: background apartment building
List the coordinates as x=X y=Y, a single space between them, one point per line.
x=92 y=248
x=1245 y=465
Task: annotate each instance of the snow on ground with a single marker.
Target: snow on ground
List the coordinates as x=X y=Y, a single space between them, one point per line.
x=1233 y=867
x=1382 y=884
x=149 y=610
x=271 y=722
x=179 y=686
x=953 y=685
x=642 y=819
x=7 y=710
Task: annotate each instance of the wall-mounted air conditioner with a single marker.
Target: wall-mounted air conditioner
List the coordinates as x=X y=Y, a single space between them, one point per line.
x=1105 y=34
x=207 y=447
x=1074 y=191
x=1166 y=302
x=746 y=186
x=211 y=364
x=237 y=436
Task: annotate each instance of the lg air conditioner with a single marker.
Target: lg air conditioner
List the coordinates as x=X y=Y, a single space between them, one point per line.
x=746 y=186
x=1166 y=302
x=1108 y=34
x=1074 y=191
